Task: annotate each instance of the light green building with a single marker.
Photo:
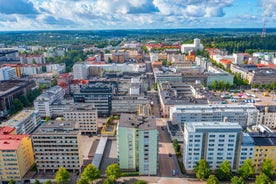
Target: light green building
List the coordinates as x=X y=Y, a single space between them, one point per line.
x=137 y=139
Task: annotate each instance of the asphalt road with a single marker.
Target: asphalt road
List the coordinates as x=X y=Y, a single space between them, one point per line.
x=167 y=163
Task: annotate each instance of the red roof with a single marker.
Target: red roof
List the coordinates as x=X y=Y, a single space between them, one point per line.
x=225 y=61
x=79 y=82
x=11 y=142
x=6 y=130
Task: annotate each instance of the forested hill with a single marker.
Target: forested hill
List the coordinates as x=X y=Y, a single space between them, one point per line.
x=247 y=44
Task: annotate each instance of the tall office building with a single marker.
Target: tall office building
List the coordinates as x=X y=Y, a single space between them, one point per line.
x=213 y=141
x=137 y=139
x=100 y=94
x=85 y=115
x=16 y=154
x=56 y=144
x=244 y=114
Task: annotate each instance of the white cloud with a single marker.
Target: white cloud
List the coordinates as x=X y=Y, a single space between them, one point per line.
x=91 y=14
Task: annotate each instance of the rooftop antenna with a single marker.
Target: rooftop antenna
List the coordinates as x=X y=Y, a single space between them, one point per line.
x=263 y=35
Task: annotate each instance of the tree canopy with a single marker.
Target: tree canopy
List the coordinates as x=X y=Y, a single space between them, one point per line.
x=202 y=170
x=62 y=175
x=237 y=180
x=90 y=173
x=113 y=172
x=268 y=167
x=212 y=179
x=224 y=171
x=247 y=169
x=262 y=179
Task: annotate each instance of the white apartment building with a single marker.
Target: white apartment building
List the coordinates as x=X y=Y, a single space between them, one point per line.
x=244 y=114
x=137 y=144
x=25 y=122
x=27 y=69
x=43 y=101
x=213 y=141
x=85 y=115
x=80 y=71
x=185 y=48
x=56 y=144
x=8 y=73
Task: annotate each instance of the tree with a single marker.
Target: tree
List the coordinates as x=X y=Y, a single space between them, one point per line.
x=12 y=182
x=237 y=180
x=262 y=179
x=247 y=169
x=91 y=173
x=155 y=87
x=212 y=179
x=36 y=182
x=62 y=175
x=202 y=169
x=83 y=181
x=113 y=172
x=108 y=181
x=224 y=171
x=23 y=99
x=140 y=182
x=268 y=167
x=47 y=182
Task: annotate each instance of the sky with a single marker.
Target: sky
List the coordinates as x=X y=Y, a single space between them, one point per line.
x=135 y=14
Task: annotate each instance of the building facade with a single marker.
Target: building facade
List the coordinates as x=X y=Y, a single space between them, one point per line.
x=43 y=102
x=25 y=122
x=85 y=115
x=213 y=141
x=80 y=71
x=56 y=144
x=137 y=139
x=100 y=94
x=244 y=114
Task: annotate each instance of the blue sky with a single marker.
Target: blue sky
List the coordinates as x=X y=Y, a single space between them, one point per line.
x=135 y=14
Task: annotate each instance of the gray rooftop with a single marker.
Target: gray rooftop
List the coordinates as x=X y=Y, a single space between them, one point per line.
x=137 y=121
x=57 y=127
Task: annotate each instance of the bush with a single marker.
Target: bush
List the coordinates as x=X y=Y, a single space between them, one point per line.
x=130 y=174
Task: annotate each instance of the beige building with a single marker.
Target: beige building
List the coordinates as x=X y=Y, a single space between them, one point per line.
x=56 y=144
x=85 y=115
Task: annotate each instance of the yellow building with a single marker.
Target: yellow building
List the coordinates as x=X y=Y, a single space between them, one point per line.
x=265 y=147
x=16 y=154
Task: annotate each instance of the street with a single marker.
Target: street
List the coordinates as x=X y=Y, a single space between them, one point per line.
x=167 y=163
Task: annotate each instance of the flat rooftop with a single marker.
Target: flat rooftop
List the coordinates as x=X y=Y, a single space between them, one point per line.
x=213 y=127
x=19 y=118
x=136 y=121
x=57 y=127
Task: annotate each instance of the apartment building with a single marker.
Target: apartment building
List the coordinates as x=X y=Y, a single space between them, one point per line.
x=266 y=115
x=137 y=139
x=85 y=115
x=16 y=155
x=43 y=102
x=244 y=114
x=8 y=73
x=25 y=122
x=128 y=104
x=80 y=71
x=56 y=144
x=213 y=141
